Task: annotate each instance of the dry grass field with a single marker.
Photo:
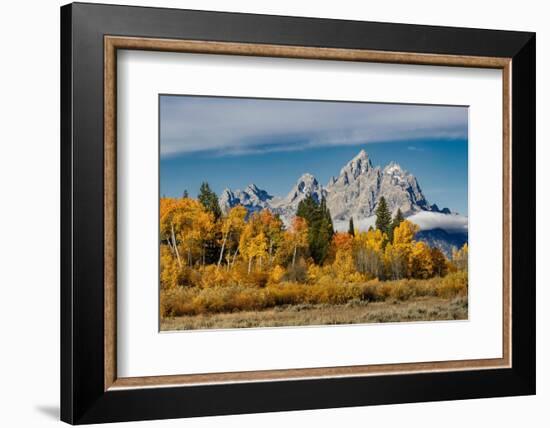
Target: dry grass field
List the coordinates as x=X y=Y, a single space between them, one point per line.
x=427 y=308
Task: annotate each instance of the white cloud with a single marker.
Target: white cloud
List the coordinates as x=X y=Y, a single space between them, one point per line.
x=449 y=222
x=361 y=225
x=231 y=126
x=425 y=220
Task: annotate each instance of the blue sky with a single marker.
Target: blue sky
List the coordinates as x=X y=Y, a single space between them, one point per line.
x=233 y=142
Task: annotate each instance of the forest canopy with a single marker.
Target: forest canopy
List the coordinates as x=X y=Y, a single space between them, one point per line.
x=201 y=246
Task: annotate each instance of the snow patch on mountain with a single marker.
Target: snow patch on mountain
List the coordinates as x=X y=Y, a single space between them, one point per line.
x=252 y=198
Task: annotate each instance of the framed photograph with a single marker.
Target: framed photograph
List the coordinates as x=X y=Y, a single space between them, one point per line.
x=266 y=213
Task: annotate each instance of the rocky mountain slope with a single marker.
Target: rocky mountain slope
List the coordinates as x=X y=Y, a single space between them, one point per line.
x=442 y=239
x=355 y=192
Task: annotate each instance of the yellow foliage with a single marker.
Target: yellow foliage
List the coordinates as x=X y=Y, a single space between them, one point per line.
x=211 y=276
x=170 y=276
x=276 y=274
x=262 y=265
x=343 y=266
x=396 y=259
x=368 y=250
x=439 y=262
x=420 y=263
x=405 y=232
x=460 y=258
x=314 y=273
x=184 y=226
x=192 y=301
x=234 y=220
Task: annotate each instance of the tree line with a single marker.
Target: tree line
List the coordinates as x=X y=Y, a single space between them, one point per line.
x=196 y=237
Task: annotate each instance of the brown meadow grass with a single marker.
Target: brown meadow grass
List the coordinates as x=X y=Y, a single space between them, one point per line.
x=292 y=303
x=353 y=312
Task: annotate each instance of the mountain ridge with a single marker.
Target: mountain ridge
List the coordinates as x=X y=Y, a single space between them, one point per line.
x=354 y=192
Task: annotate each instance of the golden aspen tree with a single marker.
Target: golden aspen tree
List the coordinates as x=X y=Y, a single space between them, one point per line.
x=252 y=244
x=258 y=249
x=343 y=266
x=420 y=262
x=170 y=271
x=185 y=225
x=460 y=258
x=398 y=252
x=272 y=227
x=405 y=232
x=396 y=258
x=168 y=216
x=369 y=252
x=234 y=221
x=298 y=236
x=246 y=237
x=439 y=262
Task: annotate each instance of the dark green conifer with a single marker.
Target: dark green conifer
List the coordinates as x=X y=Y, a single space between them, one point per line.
x=383 y=217
x=320 y=226
x=209 y=199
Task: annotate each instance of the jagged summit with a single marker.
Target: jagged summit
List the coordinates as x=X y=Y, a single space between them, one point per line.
x=393 y=168
x=252 y=188
x=307 y=184
x=360 y=164
x=252 y=198
x=355 y=192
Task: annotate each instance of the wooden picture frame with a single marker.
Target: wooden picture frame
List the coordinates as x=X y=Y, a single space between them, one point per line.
x=91 y=390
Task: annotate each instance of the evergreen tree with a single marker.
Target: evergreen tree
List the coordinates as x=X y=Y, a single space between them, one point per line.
x=308 y=209
x=330 y=225
x=325 y=233
x=351 y=229
x=185 y=193
x=383 y=217
x=398 y=218
x=320 y=226
x=209 y=200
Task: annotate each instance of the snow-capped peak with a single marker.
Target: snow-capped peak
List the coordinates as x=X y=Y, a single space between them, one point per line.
x=354 y=193
x=252 y=197
x=252 y=188
x=394 y=168
x=362 y=155
x=306 y=185
x=306 y=181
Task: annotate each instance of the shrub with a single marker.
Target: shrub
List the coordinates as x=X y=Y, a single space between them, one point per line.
x=176 y=302
x=276 y=274
x=455 y=284
x=297 y=273
x=195 y=300
x=258 y=279
x=212 y=276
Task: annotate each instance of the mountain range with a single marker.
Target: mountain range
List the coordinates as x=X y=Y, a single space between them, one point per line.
x=354 y=193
